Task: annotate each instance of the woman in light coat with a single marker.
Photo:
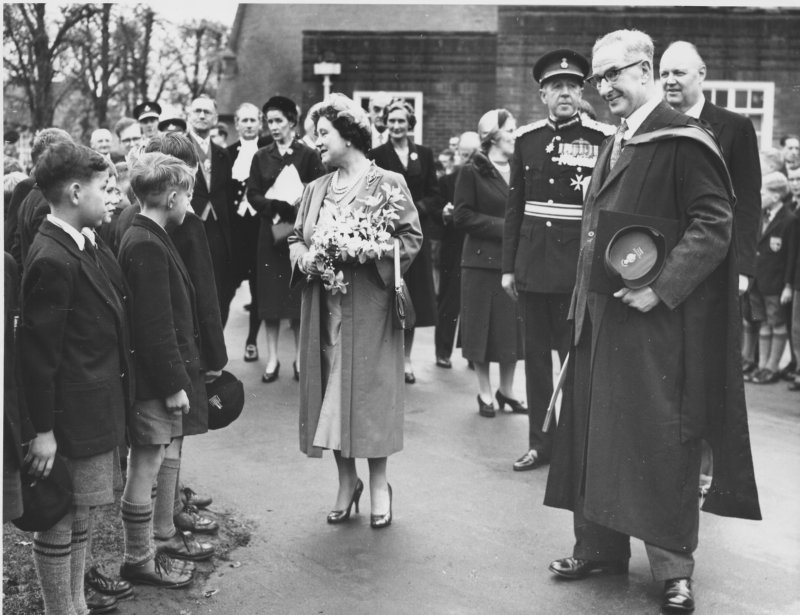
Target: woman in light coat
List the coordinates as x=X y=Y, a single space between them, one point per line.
x=351 y=356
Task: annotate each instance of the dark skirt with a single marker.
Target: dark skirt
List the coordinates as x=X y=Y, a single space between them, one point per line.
x=276 y=299
x=419 y=281
x=491 y=325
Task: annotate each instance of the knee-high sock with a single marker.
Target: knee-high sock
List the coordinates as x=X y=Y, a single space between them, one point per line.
x=137 y=521
x=81 y=526
x=163 y=525
x=764 y=347
x=779 y=337
x=52 y=553
x=177 y=504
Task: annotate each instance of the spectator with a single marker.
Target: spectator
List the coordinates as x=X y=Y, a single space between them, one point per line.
x=772 y=288
x=790 y=148
x=129 y=133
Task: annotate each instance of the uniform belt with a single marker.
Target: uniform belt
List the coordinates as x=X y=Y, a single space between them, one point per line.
x=559 y=211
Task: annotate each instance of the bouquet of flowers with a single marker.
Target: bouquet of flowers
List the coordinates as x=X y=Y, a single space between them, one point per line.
x=354 y=234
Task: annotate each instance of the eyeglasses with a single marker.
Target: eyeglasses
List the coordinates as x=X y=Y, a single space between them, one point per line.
x=611 y=75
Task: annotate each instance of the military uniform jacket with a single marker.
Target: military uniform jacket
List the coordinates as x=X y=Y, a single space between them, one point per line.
x=550 y=171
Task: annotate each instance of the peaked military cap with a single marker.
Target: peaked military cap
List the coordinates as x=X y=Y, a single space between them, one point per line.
x=174 y=124
x=561 y=62
x=146 y=109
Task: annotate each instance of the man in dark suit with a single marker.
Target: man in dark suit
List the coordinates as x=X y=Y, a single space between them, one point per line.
x=553 y=159
x=682 y=74
x=212 y=196
x=448 y=300
x=654 y=369
x=244 y=219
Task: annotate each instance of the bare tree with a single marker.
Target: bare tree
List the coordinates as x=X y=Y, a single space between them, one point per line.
x=197 y=51
x=33 y=47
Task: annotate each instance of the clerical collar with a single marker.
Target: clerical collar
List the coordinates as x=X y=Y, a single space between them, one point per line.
x=556 y=124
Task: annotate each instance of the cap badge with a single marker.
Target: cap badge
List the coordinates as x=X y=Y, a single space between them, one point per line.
x=564 y=63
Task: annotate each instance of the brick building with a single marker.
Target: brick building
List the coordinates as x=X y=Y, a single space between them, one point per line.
x=456 y=62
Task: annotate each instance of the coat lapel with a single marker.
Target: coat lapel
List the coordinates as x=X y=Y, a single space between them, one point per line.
x=653 y=121
x=317 y=197
x=91 y=270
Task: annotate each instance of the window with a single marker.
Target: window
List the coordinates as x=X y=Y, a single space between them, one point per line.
x=412 y=98
x=753 y=99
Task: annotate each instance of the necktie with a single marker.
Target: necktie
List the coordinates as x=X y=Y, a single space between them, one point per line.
x=615 y=151
x=765 y=220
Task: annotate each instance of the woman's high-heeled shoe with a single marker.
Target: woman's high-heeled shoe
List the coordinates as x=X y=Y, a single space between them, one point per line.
x=516 y=406
x=340 y=516
x=380 y=521
x=486 y=410
x=273 y=375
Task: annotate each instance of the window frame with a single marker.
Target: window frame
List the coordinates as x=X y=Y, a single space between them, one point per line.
x=766 y=111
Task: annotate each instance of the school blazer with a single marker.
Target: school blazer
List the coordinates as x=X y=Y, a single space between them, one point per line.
x=166 y=334
x=74 y=345
x=775 y=253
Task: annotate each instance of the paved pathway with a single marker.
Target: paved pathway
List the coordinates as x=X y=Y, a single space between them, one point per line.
x=469 y=535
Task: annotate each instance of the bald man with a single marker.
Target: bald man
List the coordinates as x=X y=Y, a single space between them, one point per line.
x=682 y=73
x=100 y=141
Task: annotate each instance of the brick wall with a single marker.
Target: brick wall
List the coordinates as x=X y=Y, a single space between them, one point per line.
x=736 y=44
x=454 y=70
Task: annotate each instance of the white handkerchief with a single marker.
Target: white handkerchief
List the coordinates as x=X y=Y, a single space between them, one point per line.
x=287 y=186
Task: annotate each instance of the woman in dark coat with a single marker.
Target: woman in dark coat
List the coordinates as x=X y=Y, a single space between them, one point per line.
x=491 y=328
x=276 y=300
x=416 y=164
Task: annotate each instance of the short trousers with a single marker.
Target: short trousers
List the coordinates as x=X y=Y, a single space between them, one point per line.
x=766 y=308
x=150 y=423
x=93 y=478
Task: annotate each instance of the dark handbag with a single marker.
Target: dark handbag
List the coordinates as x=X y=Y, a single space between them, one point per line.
x=45 y=501
x=225 y=400
x=281 y=232
x=403 y=316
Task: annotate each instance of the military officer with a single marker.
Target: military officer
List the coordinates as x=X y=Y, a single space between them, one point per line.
x=550 y=171
x=147 y=114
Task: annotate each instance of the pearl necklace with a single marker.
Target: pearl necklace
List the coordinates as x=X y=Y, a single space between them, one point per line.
x=340 y=192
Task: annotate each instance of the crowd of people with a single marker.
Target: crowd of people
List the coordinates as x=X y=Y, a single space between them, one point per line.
x=121 y=265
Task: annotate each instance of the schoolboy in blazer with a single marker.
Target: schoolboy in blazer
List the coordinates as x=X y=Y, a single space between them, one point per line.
x=75 y=361
x=169 y=371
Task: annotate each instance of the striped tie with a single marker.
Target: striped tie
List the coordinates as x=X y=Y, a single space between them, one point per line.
x=615 y=151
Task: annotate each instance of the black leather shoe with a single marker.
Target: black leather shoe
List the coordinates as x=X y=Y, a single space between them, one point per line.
x=516 y=406
x=251 y=353
x=443 y=362
x=168 y=573
x=190 y=496
x=272 y=376
x=795 y=386
x=340 y=516
x=575 y=568
x=486 y=410
x=190 y=519
x=678 y=596
x=184 y=545
x=101 y=582
x=530 y=460
x=378 y=522
x=410 y=378
x=100 y=603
